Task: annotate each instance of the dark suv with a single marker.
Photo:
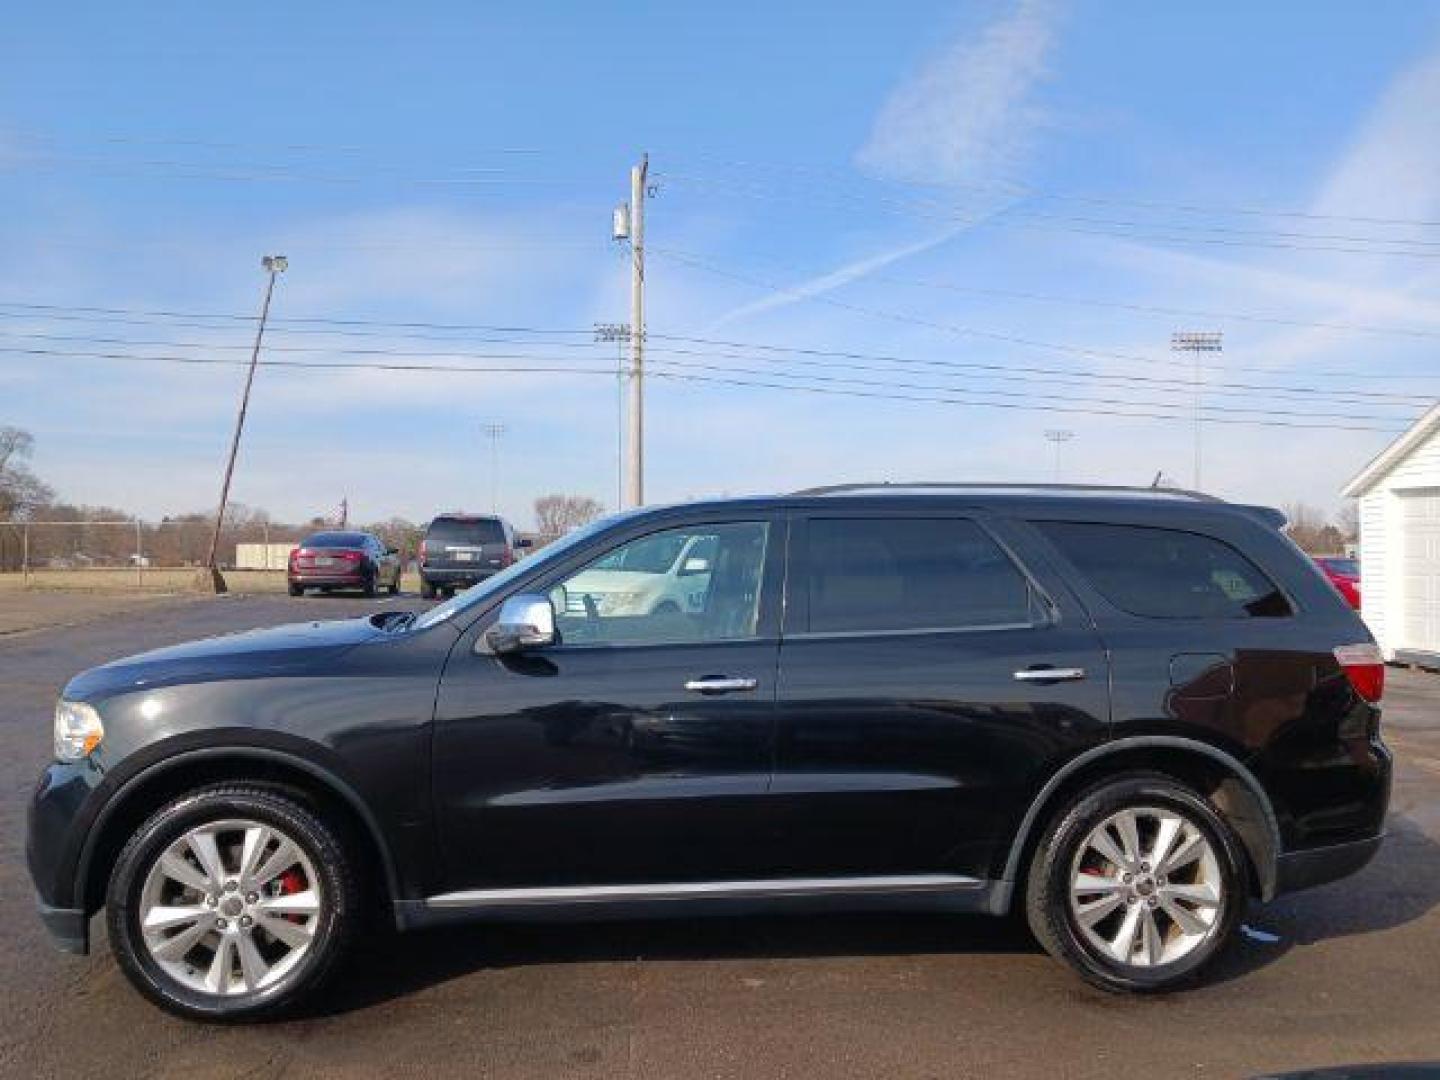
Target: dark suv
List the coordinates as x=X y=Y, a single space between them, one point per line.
x=1122 y=713
x=460 y=550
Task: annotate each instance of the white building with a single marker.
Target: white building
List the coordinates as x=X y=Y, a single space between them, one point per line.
x=263 y=556
x=1399 y=494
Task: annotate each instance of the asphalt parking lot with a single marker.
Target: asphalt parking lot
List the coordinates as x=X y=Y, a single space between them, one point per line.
x=1342 y=975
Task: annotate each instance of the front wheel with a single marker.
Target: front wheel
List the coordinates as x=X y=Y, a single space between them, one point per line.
x=232 y=902
x=1138 y=886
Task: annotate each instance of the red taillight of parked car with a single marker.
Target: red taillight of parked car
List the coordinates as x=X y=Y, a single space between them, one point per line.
x=424 y=552
x=507 y=557
x=350 y=556
x=1364 y=666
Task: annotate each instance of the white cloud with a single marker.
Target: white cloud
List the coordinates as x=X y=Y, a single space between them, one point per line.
x=968 y=115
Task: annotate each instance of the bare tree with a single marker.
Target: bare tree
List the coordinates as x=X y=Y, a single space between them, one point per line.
x=1312 y=531
x=557 y=514
x=21 y=492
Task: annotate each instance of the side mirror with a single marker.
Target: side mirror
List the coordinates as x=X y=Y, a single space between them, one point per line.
x=526 y=621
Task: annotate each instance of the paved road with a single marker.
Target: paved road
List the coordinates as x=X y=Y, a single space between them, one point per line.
x=1353 y=977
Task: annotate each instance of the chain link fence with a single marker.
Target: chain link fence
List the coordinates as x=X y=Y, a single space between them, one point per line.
x=134 y=553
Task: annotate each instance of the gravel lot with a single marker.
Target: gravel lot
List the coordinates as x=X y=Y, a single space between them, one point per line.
x=1345 y=974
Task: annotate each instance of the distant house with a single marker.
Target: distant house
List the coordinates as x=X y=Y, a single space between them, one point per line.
x=1399 y=496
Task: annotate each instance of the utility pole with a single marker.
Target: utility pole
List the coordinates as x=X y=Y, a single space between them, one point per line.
x=494 y=431
x=273 y=265
x=629 y=223
x=620 y=333
x=1059 y=437
x=1197 y=342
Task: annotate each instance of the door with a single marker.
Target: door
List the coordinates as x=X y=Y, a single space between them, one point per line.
x=635 y=750
x=928 y=684
x=1420 y=572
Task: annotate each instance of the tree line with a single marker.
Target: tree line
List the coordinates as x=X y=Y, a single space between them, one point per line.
x=184 y=539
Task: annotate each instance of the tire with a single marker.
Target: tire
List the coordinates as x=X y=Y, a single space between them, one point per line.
x=297 y=590
x=1135 y=943
x=394 y=587
x=319 y=876
x=370 y=587
x=666 y=607
x=427 y=589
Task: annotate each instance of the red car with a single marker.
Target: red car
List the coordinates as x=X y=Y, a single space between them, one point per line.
x=344 y=560
x=1344 y=574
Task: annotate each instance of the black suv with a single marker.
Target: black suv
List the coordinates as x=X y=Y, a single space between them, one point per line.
x=460 y=550
x=1124 y=714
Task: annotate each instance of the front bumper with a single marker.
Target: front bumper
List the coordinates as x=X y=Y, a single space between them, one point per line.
x=1315 y=866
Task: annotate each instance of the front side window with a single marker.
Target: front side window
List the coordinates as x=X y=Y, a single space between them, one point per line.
x=691 y=584
x=1166 y=573
x=879 y=574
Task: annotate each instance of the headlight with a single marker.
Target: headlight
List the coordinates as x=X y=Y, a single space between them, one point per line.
x=78 y=730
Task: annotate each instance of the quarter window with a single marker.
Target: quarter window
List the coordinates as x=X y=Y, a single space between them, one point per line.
x=700 y=583
x=888 y=574
x=1166 y=573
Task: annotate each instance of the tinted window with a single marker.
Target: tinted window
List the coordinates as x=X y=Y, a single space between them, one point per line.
x=335 y=540
x=462 y=533
x=699 y=583
x=1165 y=573
x=910 y=574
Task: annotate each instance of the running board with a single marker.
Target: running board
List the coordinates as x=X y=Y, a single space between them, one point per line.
x=774 y=888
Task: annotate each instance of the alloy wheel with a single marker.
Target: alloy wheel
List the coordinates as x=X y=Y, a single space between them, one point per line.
x=1146 y=887
x=231 y=907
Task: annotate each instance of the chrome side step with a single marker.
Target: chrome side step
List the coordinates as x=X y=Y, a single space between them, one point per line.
x=907 y=884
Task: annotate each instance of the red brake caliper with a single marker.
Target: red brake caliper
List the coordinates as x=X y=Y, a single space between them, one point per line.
x=292 y=882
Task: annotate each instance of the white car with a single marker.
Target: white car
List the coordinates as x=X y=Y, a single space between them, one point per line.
x=663 y=573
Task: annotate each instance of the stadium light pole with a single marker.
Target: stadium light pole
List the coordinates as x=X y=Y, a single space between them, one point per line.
x=274 y=265
x=1058 y=436
x=494 y=431
x=1197 y=342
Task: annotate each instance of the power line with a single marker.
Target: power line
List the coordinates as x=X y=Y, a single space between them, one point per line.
x=1124 y=230
x=1018 y=190
x=1028 y=406
x=915 y=320
x=780 y=354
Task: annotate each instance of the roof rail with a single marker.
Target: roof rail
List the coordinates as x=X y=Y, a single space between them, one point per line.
x=933 y=485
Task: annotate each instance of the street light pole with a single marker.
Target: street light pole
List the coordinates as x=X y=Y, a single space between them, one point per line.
x=273 y=265
x=1197 y=342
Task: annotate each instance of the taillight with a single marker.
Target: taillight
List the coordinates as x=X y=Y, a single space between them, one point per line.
x=507 y=557
x=351 y=556
x=295 y=554
x=1364 y=666
x=424 y=552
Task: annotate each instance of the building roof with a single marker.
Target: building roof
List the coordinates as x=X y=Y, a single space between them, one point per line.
x=1393 y=454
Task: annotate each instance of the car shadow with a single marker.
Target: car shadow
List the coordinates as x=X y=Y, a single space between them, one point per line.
x=1401 y=885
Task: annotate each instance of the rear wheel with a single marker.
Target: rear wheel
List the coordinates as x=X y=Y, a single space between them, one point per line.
x=232 y=902
x=296 y=590
x=1138 y=886
x=369 y=587
x=427 y=589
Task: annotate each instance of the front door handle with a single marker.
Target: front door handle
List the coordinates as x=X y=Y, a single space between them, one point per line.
x=1050 y=674
x=720 y=684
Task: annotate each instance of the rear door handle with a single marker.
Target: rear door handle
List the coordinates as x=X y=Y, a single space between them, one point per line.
x=720 y=684
x=1050 y=674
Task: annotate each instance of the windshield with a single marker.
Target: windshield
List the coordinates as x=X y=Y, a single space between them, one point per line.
x=653 y=555
x=479 y=594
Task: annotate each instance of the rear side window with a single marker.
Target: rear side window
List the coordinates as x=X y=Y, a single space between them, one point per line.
x=878 y=574
x=460 y=533
x=1166 y=573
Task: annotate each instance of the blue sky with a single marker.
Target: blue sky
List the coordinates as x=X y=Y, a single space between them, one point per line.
x=1007 y=203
